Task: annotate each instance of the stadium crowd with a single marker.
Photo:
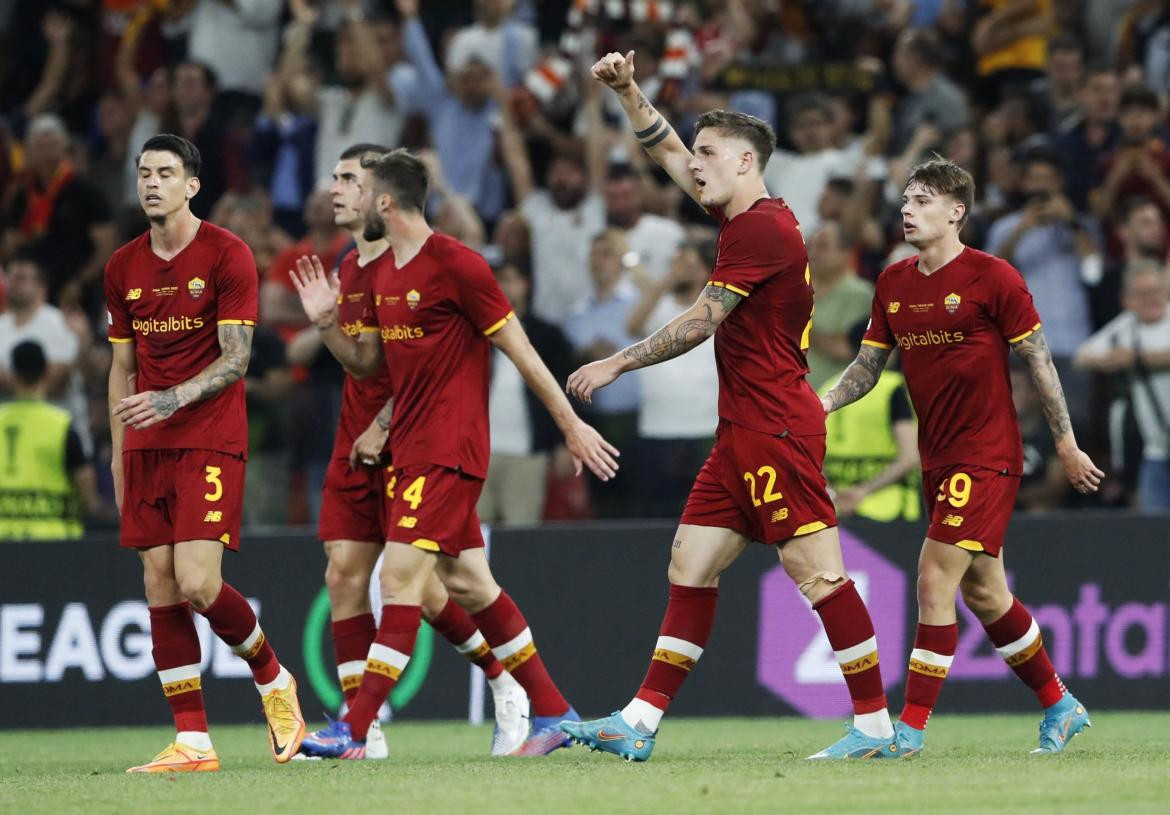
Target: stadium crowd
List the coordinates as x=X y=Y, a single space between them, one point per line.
x=1058 y=107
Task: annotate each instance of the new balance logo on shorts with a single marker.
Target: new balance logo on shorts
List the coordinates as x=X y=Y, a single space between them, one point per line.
x=213 y=517
x=953 y=520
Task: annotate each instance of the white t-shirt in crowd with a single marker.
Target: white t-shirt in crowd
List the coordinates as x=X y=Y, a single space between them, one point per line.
x=61 y=346
x=238 y=40
x=510 y=49
x=680 y=397
x=508 y=421
x=1120 y=332
x=656 y=241
x=561 y=240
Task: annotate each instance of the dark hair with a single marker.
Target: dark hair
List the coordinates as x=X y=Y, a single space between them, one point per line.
x=570 y=150
x=187 y=152
x=1042 y=154
x=621 y=171
x=362 y=150
x=1066 y=42
x=522 y=267
x=925 y=47
x=401 y=174
x=842 y=185
x=806 y=102
x=28 y=362
x=753 y=130
x=943 y=177
x=29 y=258
x=210 y=77
x=1135 y=202
x=1139 y=96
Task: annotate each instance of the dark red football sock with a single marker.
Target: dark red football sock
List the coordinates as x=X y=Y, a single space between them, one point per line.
x=934 y=651
x=234 y=622
x=389 y=654
x=352 y=638
x=846 y=621
x=1017 y=638
x=685 y=629
x=177 y=656
x=455 y=625
x=507 y=632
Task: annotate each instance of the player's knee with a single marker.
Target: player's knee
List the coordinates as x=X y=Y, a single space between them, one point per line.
x=199 y=588
x=161 y=589
x=470 y=593
x=344 y=580
x=983 y=600
x=681 y=572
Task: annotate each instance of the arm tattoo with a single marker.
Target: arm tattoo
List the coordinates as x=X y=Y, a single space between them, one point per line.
x=235 y=349
x=860 y=377
x=685 y=331
x=1033 y=350
x=383 y=417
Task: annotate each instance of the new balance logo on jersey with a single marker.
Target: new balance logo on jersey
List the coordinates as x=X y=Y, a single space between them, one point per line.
x=953 y=520
x=408 y=522
x=401 y=332
x=172 y=323
x=926 y=338
x=133 y=294
x=894 y=306
x=780 y=515
x=213 y=517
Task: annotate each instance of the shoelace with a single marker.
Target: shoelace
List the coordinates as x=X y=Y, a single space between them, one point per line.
x=279 y=708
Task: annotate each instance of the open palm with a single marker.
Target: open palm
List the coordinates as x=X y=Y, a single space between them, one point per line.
x=317 y=289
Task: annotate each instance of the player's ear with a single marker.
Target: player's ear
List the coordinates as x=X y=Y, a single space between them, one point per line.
x=747 y=161
x=192 y=187
x=958 y=211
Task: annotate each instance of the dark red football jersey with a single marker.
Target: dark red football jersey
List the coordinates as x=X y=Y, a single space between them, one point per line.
x=170 y=310
x=361 y=399
x=953 y=329
x=435 y=315
x=760 y=347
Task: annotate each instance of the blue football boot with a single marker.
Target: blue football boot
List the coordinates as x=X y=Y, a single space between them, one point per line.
x=611 y=735
x=854 y=744
x=546 y=735
x=1061 y=722
x=335 y=740
x=907 y=742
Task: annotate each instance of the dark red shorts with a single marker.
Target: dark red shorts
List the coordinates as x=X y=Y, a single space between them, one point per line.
x=768 y=488
x=433 y=508
x=970 y=507
x=354 y=504
x=171 y=496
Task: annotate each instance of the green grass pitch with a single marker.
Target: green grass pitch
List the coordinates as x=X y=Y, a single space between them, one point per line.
x=975 y=764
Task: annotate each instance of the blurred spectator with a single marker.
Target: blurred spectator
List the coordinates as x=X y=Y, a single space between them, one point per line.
x=1140 y=162
x=562 y=219
x=511 y=241
x=58 y=216
x=280 y=308
x=68 y=81
x=800 y=177
x=1142 y=231
x=47 y=480
x=524 y=438
x=679 y=399
x=1104 y=23
x=460 y=110
x=871 y=457
x=269 y=385
x=1043 y=485
x=1010 y=40
x=597 y=328
x=238 y=37
x=654 y=239
x=1064 y=78
x=1050 y=242
x=110 y=147
x=1145 y=43
x=842 y=298
x=932 y=97
x=371 y=101
x=187 y=107
x=284 y=141
x=451 y=213
x=505 y=44
x=1083 y=141
x=1136 y=344
x=31 y=318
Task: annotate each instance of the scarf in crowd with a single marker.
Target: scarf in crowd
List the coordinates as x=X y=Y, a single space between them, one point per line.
x=38 y=209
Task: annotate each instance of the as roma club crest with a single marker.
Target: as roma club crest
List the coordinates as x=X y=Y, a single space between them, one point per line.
x=951 y=303
x=195 y=287
x=412 y=298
